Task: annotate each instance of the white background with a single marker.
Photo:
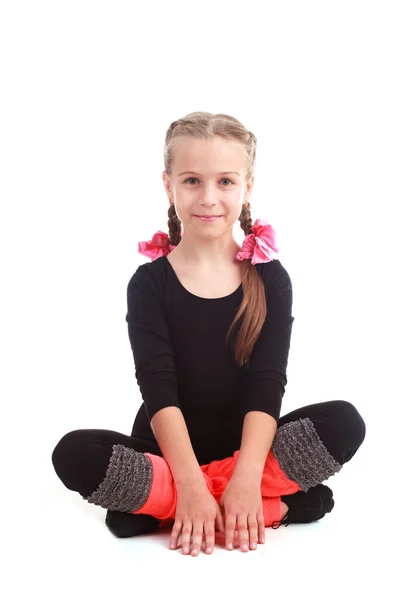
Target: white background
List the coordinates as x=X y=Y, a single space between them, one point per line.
x=88 y=90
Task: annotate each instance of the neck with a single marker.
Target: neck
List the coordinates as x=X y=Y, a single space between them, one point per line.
x=211 y=254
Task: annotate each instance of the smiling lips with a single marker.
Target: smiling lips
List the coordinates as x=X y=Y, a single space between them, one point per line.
x=205 y=218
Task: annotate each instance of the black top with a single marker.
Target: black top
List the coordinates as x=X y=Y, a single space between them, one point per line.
x=181 y=358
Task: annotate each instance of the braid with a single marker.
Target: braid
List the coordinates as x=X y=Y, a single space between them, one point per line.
x=174 y=226
x=245 y=219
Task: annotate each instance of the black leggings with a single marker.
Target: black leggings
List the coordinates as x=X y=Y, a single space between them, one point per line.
x=81 y=457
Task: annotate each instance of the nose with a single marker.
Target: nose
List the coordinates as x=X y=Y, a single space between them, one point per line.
x=209 y=195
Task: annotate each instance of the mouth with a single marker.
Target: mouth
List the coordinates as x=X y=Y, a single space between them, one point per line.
x=205 y=218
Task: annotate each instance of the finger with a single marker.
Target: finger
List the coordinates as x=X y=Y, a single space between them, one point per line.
x=197 y=538
x=236 y=539
x=261 y=528
x=220 y=521
x=229 y=530
x=176 y=530
x=209 y=534
x=253 y=530
x=243 y=532
x=186 y=533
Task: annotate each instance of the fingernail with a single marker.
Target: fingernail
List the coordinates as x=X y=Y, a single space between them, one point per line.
x=253 y=545
x=208 y=550
x=230 y=547
x=185 y=548
x=245 y=547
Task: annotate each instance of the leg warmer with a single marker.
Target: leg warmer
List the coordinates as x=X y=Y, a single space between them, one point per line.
x=142 y=483
x=302 y=455
x=127 y=482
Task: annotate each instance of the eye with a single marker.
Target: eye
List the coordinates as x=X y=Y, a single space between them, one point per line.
x=224 y=179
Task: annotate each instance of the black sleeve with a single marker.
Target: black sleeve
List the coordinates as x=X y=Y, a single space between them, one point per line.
x=266 y=375
x=151 y=345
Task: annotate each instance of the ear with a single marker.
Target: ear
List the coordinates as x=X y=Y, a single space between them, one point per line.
x=249 y=187
x=167 y=183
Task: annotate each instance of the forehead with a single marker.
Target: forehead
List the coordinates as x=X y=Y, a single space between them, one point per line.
x=209 y=156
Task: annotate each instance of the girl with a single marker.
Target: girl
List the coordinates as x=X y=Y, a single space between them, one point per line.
x=210 y=324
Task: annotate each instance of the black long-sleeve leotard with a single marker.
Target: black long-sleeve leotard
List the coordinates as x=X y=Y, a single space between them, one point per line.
x=182 y=359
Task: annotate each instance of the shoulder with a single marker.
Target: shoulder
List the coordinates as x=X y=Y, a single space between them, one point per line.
x=278 y=287
x=274 y=273
x=149 y=276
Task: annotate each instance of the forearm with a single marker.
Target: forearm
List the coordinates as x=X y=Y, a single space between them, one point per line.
x=258 y=433
x=171 y=433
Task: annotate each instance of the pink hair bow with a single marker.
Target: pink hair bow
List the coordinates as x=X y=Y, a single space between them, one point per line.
x=158 y=246
x=257 y=245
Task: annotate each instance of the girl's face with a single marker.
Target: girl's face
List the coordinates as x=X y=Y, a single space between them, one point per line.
x=208 y=178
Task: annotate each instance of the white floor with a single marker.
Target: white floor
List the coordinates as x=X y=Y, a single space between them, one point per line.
x=63 y=549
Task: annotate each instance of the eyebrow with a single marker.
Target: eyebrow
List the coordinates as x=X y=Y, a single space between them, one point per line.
x=221 y=173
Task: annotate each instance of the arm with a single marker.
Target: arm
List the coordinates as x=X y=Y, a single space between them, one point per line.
x=170 y=430
x=150 y=342
x=155 y=372
x=259 y=430
x=266 y=377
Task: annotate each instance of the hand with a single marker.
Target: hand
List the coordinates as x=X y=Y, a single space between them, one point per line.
x=242 y=502
x=196 y=512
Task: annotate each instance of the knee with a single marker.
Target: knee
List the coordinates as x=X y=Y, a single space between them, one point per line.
x=67 y=453
x=349 y=421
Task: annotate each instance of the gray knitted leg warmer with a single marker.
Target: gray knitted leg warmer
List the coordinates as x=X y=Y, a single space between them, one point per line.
x=302 y=455
x=127 y=483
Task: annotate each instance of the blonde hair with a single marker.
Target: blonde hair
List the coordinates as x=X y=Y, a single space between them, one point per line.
x=204 y=125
